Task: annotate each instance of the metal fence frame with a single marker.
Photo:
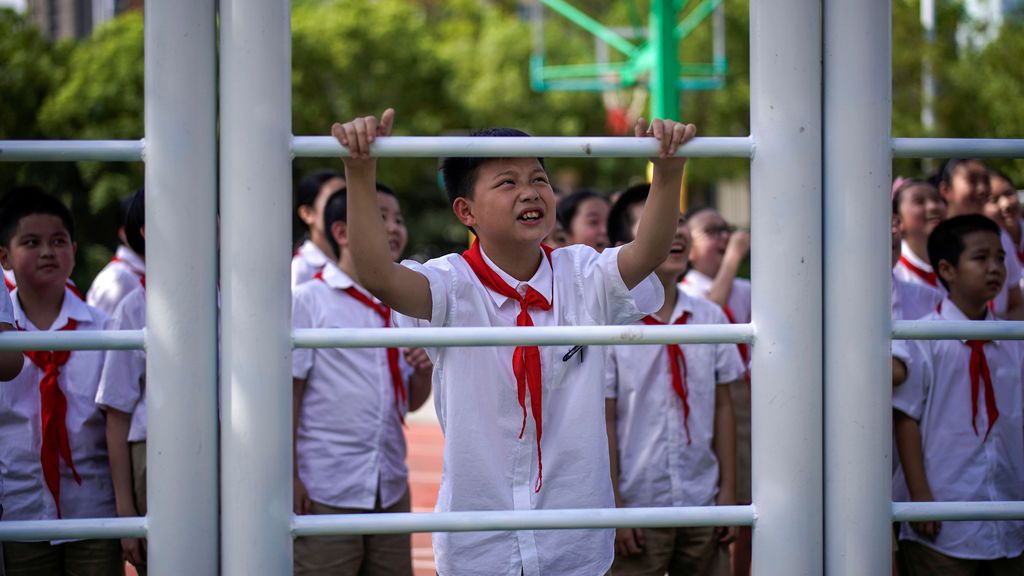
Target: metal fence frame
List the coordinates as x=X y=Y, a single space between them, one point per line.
x=820 y=154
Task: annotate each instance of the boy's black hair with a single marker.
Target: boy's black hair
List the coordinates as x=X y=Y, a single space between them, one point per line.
x=336 y=210
x=459 y=173
x=122 y=209
x=568 y=207
x=134 y=221
x=945 y=175
x=946 y=242
x=1001 y=175
x=310 y=185
x=620 y=225
x=28 y=200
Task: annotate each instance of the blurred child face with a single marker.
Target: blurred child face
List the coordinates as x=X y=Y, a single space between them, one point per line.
x=710 y=234
x=313 y=216
x=969 y=190
x=512 y=204
x=921 y=209
x=1003 y=206
x=896 y=238
x=41 y=252
x=979 y=274
x=590 y=224
x=394 y=224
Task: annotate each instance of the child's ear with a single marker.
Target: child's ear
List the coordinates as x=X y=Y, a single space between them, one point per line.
x=5 y=258
x=142 y=232
x=339 y=231
x=464 y=212
x=307 y=215
x=946 y=271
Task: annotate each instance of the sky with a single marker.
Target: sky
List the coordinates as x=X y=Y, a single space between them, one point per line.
x=17 y=4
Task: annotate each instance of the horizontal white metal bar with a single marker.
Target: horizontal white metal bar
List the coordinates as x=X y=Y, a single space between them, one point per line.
x=522 y=520
x=71 y=150
x=963 y=330
x=539 y=335
x=920 y=511
x=74 y=340
x=957 y=148
x=548 y=147
x=79 y=528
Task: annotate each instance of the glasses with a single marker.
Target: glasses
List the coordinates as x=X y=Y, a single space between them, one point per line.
x=717 y=230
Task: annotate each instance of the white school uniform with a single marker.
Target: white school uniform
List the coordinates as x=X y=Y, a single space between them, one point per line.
x=123 y=380
x=913 y=300
x=308 y=260
x=487 y=466
x=119 y=278
x=657 y=467
x=916 y=270
x=698 y=285
x=962 y=465
x=349 y=439
x=6 y=307
x=25 y=494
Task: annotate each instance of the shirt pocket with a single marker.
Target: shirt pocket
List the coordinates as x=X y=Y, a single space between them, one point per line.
x=556 y=371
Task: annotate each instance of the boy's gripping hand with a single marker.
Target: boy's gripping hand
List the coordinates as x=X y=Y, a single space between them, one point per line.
x=670 y=134
x=357 y=135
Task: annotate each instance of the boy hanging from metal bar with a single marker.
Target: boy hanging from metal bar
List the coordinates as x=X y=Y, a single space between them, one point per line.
x=506 y=413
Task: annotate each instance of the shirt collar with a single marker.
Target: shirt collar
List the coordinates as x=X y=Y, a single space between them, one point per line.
x=684 y=304
x=72 y=307
x=312 y=254
x=907 y=253
x=541 y=281
x=950 y=311
x=698 y=280
x=131 y=259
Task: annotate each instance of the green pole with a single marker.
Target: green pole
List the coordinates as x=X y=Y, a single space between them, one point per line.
x=664 y=90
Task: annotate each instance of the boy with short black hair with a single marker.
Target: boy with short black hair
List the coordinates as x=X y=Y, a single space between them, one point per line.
x=671 y=429
x=53 y=458
x=348 y=408
x=310 y=196
x=122 y=395
x=524 y=426
x=957 y=418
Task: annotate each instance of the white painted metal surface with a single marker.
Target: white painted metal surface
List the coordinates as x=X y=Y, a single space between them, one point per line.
x=255 y=194
x=858 y=231
x=76 y=340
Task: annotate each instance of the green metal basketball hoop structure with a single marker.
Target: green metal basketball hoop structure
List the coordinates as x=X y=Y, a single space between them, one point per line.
x=647 y=58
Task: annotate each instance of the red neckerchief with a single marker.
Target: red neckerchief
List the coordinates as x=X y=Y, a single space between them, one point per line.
x=141 y=275
x=677 y=358
x=385 y=313
x=979 y=372
x=53 y=413
x=525 y=359
x=930 y=278
x=10 y=285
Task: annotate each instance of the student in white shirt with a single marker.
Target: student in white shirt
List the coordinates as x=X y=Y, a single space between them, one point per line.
x=122 y=396
x=920 y=208
x=10 y=362
x=348 y=408
x=53 y=457
x=671 y=430
x=584 y=217
x=1003 y=206
x=957 y=419
x=529 y=435
x=964 y=183
x=125 y=271
x=310 y=196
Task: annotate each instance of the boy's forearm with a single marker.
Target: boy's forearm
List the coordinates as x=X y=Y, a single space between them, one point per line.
x=721 y=287
x=725 y=442
x=611 y=425
x=419 y=389
x=298 y=390
x=118 y=425
x=908 y=444
x=10 y=362
x=657 y=225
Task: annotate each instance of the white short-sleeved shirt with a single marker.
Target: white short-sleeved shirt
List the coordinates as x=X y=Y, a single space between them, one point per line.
x=487 y=466
x=962 y=465
x=656 y=465
x=698 y=285
x=119 y=278
x=6 y=307
x=349 y=438
x=308 y=260
x=123 y=380
x=913 y=300
x=25 y=494
x=915 y=271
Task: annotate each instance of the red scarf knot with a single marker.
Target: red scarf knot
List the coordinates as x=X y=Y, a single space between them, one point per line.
x=53 y=412
x=385 y=313
x=677 y=359
x=930 y=278
x=979 y=372
x=526 y=364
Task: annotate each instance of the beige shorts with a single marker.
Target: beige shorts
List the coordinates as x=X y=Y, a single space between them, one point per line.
x=677 y=552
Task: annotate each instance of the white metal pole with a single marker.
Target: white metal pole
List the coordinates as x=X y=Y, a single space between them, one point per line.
x=858 y=274
x=256 y=453
x=786 y=396
x=181 y=270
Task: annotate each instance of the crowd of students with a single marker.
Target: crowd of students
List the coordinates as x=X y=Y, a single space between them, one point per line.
x=526 y=427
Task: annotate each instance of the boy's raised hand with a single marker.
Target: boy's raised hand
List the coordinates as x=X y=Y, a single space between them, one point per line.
x=670 y=134
x=357 y=135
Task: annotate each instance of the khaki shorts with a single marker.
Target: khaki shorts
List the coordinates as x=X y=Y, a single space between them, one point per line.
x=362 y=555
x=81 y=558
x=916 y=559
x=740 y=393
x=676 y=551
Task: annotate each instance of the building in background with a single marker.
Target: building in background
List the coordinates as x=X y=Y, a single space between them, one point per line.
x=61 y=19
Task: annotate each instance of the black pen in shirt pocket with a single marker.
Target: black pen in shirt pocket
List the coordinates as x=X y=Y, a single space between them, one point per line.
x=572 y=352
